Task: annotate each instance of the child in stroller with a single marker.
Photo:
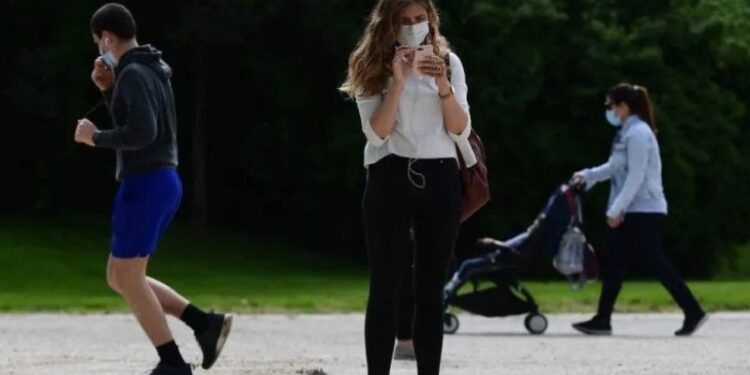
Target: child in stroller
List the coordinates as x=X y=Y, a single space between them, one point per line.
x=557 y=229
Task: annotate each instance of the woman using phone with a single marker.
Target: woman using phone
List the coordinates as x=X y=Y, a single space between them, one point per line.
x=413 y=114
x=637 y=207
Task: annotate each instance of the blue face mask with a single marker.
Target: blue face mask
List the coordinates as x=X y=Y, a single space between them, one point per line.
x=108 y=58
x=612 y=118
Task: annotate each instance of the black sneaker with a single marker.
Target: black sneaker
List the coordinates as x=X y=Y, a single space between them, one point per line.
x=692 y=324
x=162 y=369
x=595 y=326
x=212 y=340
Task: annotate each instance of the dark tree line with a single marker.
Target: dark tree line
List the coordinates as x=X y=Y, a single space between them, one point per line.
x=269 y=146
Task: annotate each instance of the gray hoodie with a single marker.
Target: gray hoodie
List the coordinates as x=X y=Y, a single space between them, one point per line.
x=142 y=107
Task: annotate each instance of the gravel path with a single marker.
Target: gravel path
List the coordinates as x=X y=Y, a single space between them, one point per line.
x=333 y=344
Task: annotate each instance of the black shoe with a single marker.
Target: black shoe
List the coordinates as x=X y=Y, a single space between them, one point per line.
x=162 y=369
x=212 y=340
x=595 y=326
x=692 y=323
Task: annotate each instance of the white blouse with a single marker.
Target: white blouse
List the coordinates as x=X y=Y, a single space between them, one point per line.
x=420 y=131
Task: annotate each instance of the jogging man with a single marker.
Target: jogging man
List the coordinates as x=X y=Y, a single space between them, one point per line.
x=135 y=82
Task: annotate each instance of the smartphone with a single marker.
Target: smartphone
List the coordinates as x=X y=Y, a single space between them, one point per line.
x=422 y=53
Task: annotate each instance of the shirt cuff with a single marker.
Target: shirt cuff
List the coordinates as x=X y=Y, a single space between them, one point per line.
x=614 y=212
x=464 y=146
x=102 y=138
x=464 y=136
x=372 y=137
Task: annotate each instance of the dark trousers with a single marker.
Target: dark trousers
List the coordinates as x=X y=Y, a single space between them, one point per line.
x=426 y=195
x=405 y=314
x=638 y=239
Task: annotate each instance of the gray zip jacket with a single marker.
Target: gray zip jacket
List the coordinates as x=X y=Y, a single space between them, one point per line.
x=634 y=171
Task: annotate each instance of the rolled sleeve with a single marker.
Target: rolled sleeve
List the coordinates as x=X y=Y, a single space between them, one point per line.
x=464 y=147
x=461 y=91
x=464 y=136
x=367 y=107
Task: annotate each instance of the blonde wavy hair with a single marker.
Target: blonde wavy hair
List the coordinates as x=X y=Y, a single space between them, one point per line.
x=370 y=65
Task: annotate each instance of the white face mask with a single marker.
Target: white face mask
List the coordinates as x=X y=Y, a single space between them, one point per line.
x=414 y=35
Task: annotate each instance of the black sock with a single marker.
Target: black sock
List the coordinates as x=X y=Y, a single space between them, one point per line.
x=170 y=355
x=196 y=319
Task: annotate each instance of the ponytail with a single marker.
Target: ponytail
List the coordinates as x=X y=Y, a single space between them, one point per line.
x=637 y=99
x=643 y=107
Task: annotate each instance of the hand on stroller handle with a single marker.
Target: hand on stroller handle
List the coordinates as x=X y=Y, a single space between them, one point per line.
x=576 y=183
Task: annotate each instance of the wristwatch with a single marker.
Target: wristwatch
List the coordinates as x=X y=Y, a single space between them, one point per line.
x=448 y=94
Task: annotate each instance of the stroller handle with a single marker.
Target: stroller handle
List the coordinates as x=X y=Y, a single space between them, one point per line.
x=493 y=244
x=577 y=185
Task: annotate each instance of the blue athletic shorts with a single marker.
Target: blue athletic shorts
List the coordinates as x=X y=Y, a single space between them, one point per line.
x=144 y=206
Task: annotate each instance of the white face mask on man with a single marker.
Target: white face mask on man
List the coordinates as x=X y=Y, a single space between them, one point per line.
x=413 y=35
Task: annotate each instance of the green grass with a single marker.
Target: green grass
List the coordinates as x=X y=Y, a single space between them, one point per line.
x=56 y=265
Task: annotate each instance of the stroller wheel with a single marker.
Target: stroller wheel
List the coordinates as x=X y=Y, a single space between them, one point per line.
x=450 y=323
x=536 y=323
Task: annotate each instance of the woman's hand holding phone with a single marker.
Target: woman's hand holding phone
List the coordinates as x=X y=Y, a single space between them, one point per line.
x=432 y=66
x=428 y=64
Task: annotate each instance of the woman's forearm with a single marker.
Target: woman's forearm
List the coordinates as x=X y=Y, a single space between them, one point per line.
x=384 y=119
x=456 y=118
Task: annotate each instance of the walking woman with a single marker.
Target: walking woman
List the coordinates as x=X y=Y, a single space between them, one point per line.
x=414 y=113
x=636 y=209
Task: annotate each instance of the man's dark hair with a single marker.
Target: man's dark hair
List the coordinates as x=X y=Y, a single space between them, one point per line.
x=114 y=18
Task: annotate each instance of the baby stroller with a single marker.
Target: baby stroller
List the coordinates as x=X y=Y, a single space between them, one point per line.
x=557 y=230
